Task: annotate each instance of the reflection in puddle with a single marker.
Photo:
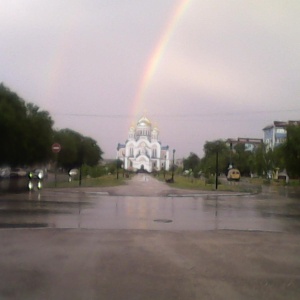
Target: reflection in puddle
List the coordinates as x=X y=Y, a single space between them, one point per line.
x=23 y=225
x=101 y=211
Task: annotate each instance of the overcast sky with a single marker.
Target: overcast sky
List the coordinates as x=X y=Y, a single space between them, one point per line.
x=226 y=69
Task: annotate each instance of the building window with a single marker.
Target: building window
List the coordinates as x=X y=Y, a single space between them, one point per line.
x=280 y=140
x=154 y=153
x=280 y=130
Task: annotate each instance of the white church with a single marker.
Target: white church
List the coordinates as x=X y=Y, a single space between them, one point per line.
x=142 y=150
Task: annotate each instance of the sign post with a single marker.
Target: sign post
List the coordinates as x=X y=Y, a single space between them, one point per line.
x=56 y=149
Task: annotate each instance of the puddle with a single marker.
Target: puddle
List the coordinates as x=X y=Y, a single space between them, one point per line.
x=163 y=220
x=24 y=225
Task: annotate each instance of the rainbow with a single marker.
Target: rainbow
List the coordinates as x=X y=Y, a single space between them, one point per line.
x=55 y=68
x=157 y=54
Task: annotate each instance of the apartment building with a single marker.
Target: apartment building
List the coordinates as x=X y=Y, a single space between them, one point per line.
x=275 y=134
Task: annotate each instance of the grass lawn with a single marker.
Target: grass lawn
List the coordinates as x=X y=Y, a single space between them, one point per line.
x=103 y=181
x=246 y=185
x=184 y=182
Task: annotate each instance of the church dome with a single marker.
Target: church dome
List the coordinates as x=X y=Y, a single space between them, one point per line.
x=144 y=122
x=132 y=128
x=155 y=128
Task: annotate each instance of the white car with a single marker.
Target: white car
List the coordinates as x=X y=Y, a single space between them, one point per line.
x=18 y=172
x=4 y=172
x=73 y=172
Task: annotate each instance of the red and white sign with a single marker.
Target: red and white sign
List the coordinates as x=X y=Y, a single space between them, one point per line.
x=56 y=148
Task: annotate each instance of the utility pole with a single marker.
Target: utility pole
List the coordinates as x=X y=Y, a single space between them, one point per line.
x=217 y=168
x=173 y=165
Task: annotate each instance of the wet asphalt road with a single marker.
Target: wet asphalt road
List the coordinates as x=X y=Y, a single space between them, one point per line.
x=146 y=240
x=145 y=203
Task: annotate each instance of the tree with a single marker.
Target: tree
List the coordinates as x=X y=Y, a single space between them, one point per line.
x=40 y=133
x=263 y=160
x=279 y=159
x=208 y=162
x=27 y=135
x=292 y=151
x=12 y=118
x=25 y=131
x=76 y=149
x=242 y=159
x=91 y=152
x=68 y=156
x=192 y=162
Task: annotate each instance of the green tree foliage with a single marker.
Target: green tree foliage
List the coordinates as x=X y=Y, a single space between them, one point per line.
x=25 y=131
x=27 y=136
x=69 y=140
x=263 y=160
x=76 y=149
x=292 y=151
x=278 y=157
x=112 y=166
x=40 y=134
x=242 y=159
x=93 y=171
x=208 y=162
x=192 y=163
x=12 y=119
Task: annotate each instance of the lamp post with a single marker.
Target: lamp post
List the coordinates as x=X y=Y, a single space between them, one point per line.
x=80 y=174
x=117 y=165
x=117 y=170
x=217 y=167
x=165 y=165
x=81 y=157
x=173 y=165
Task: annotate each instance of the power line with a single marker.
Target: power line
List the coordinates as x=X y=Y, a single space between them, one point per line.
x=189 y=115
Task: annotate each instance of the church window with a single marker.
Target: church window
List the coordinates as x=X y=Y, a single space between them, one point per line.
x=154 y=153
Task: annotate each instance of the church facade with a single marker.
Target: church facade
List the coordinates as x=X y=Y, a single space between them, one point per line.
x=143 y=150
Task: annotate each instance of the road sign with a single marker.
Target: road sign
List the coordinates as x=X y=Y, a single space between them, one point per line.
x=56 y=148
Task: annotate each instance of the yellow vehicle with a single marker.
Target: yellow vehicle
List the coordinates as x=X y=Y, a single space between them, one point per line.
x=234 y=174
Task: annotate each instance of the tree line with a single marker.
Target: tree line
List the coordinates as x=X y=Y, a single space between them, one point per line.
x=27 y=135
x=261 y=161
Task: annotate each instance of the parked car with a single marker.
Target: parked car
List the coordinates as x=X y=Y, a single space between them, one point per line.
x=4 y=172
x=39 y=173
x=18 y=172
x=73 y=172
x=233 y=175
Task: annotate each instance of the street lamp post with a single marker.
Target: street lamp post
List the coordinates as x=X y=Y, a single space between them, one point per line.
x=173 y=165
x=217 y=168
x=81 y=155
x=117 y=170
x=80 y=174
x=117 y=161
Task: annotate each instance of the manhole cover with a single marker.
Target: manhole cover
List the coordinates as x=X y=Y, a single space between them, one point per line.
x=163 y=220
